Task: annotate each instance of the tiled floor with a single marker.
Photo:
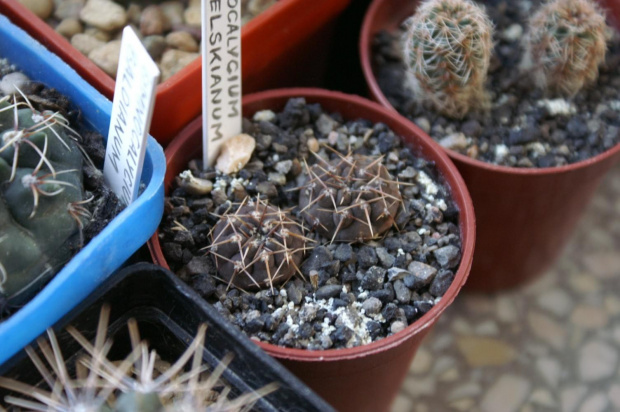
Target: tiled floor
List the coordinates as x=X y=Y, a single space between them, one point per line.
x=553 y=345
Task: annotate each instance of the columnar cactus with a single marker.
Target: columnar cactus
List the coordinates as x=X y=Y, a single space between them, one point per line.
x=257 y=246
x=448 y=51
x=352 y=198
x=41 y=197
x=565 y=45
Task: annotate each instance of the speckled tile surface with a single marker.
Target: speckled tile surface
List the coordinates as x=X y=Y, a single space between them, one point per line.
x=553 y=345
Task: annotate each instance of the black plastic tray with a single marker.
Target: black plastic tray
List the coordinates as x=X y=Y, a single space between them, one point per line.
x=168 y=313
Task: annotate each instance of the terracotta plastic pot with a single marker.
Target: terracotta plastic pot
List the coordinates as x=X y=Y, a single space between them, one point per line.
x=365 y=378
x=286 y=45
x=524 y=216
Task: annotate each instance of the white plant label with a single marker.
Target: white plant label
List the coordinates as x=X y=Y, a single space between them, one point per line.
x=221 y=74
x=132 y=109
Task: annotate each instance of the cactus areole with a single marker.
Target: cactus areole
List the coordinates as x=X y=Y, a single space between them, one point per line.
x=41 y=197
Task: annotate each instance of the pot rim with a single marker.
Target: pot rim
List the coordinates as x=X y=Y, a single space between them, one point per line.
x=365 y=47
x=448 y=172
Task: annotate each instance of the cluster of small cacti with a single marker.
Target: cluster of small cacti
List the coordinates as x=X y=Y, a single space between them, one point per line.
x=135 y=384
x=42 y=211
x=352 y=198
x=449 y=44
x=257 y=246
x=566 y=44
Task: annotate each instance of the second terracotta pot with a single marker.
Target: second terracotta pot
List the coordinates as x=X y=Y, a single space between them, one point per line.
x=365 y=378
x=524 y=216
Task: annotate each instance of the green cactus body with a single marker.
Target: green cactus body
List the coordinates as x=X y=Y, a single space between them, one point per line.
x=40 y=180
x=565 y=45
x=448 y=51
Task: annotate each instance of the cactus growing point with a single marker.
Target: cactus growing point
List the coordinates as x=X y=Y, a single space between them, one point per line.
x=565 y=45
x=448 y=51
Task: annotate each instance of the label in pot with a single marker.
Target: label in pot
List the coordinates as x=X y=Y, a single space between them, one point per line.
x=132 y=109
x=221 y=74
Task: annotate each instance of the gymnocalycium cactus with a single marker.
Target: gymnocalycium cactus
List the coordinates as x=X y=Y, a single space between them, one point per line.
x=565 y=45
x=352 y=198
x=448 y=51
x=140 y=383
x=41 y=197
x=257 y=246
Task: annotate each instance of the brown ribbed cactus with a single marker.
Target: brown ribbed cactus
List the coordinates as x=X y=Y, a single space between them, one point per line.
x=257 y=246
x=565 y=45
x=448 y=52
x=351 y=198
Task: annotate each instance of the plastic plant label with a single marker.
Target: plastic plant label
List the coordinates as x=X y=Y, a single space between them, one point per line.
x=221 y=74
x=132 y=109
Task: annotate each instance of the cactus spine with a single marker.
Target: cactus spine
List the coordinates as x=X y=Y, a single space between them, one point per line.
x=448 y=51
x=565 y=45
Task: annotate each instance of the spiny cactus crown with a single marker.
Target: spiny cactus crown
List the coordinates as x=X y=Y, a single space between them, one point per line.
x=351 y=198
x=565 y=45
x=448 y=51
x=41 y=196
x=137 y=384
x=257 y=246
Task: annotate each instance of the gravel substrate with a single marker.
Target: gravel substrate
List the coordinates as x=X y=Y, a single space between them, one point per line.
x=524 y=128
x=363 y=291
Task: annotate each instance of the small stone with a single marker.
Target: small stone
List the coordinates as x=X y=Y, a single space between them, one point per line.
x=447 y=256
x=603 y=265
x=372 y=306
x=403 y=294
x=277 y=178
x=597 y=402
x=174 y=60
x=155 y=45
x=204 y=285
x=373 y=278
x=367 y=257
x=507 y=394
x=456 y=141
x=512 y=32
x=69 y=27
x=68 y=9
x=182 y=40
x=556 y=301
x=423 y=272
x=423 y=123
x=386 y=258
x=268 y=189
x=471 y=128
x=614 y=395
x=589 y=317
x=193 y=16
x=106 y=57
x=397 y=326
x=98 y=34
x=104 y=14
x=547 y=329
x=85 y=43
x=173 y=12
x=441 y=283
x=199 y=265
x=264 y=116
x=597 y=361
x=235 y=153
x=41 y=8
x=11 y=82
x=343 y=252
x=152 y=21
x=313 y=145
x=320 y=256
x=408 y=173
x=397 y=274
x=293 y=293
x=284 y=167
x=325 y=124
x=543 y=397
x=550 y=369
x=571 y=397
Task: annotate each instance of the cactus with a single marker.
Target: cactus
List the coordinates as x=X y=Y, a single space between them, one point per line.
x=565 y=45
x=257 y=246
x=351 y=198
x=135 y=384
x=41 y=197
x=448 y=52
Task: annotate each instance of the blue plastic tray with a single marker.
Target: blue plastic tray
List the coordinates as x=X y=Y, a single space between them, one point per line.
x=121 y=237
